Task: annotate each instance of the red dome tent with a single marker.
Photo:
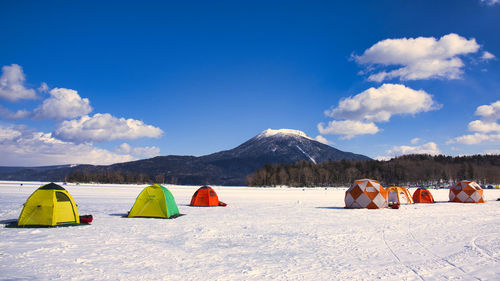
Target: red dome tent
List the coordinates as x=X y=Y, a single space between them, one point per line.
x=205 y=196
x=422 y=195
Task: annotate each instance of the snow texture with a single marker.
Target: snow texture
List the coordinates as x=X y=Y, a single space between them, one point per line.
x=285 y=132
x=263 y=234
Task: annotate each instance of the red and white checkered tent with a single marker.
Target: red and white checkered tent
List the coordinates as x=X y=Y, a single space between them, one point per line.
x=366 y=193
x=466 y=192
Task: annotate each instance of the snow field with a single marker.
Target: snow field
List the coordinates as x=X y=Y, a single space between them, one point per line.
x=263 y=234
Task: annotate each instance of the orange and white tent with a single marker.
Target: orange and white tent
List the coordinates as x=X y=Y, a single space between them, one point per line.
x=366 y=193
x=398 y=195
x=466 y=192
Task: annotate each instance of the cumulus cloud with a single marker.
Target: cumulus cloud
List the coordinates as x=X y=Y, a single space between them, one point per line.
x=5 y=113
x=379 y=104
x=483 y=127
x=8 y=134
x=148 y=151
x=487 y=129
x=490 y=2
x=322 y=140
x=348 y=128
x=418 y=58
x=476 y=138
x=487 y=56
x=489 y=112
x=427 y=148
x=104 y=127
x=23 y=147
x=12 y=84
x=375 y=105
x=62 y=104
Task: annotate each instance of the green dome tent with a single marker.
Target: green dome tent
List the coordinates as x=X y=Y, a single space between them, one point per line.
x=154 y=201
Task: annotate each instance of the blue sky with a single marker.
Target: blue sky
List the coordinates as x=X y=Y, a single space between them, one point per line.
x=109 y=81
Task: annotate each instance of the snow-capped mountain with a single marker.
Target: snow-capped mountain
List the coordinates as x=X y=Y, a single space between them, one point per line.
x=285 y=146
x=229 y=167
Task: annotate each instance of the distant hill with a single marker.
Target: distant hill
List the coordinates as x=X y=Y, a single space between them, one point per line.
x=229 y=167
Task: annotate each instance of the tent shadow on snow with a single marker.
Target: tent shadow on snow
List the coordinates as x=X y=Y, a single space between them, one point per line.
x=8 y=221
x=119 y=215
x=331 y=208
x=125 y=215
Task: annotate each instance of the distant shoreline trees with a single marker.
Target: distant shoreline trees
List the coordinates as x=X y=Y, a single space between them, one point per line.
x=419 y=170
x=117 y=176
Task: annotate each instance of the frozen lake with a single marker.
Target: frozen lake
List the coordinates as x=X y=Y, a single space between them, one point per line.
x=263 y=234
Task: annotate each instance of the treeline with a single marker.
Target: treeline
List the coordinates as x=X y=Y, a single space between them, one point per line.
x=421 y=170
x=117 y=176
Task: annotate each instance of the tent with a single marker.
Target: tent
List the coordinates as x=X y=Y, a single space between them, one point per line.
x=398 y=195
x=422 y=195
x=366 y=193
x=205 y=196
x=49 y=205
x=466 y=192
x=154 y=201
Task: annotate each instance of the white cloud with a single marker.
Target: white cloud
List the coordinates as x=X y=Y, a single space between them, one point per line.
x=348 y=128
x=492 y=151
x=489 y=115
x=418 y=58
x=487 y=56
x=322 y=140
x=148 y=151
x=489 y=112
x=43 y=88
x=476 y=138
x=375 y=105
x=8 y=134
x=483 y=127
x=379 y=104
x=415 y=140
x=428 y=148
x=22 y=147
x=104 y=127
x=9 y=115
x=383 y=158
x=490 y=2
x=12 y=84
x=62 y=104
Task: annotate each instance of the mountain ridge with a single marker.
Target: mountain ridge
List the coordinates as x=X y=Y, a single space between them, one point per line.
x=227 y=167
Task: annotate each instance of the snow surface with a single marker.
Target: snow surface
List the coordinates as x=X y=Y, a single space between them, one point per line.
x=286 y=132
x=263 y=234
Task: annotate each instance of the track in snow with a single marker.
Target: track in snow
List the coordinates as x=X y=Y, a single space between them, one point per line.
x=396 y=257
x=484 y=252
x=412 y=236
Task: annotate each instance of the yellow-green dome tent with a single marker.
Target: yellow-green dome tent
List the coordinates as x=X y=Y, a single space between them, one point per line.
x=49 y=205
x=154 y=201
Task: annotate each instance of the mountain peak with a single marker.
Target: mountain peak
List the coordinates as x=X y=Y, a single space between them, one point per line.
x=287 y=132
